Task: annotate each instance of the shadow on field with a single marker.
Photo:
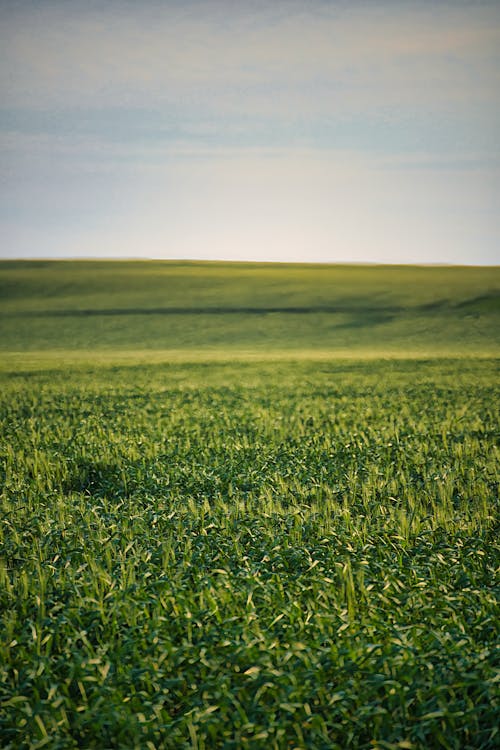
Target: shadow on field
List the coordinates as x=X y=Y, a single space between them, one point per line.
x=353 y=307
x=364 y=319
x=356 y=306
x=98 y=479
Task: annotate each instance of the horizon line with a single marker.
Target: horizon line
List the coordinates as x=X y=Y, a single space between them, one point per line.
x=232 y=261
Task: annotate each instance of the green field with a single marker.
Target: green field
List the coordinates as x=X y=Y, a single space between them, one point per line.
x=245 y=309
x=248 y=506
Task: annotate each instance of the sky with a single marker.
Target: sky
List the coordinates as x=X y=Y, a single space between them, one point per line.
x=298 y=130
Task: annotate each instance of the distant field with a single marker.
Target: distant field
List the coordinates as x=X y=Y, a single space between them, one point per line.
x=188 y=308
x=248 y=507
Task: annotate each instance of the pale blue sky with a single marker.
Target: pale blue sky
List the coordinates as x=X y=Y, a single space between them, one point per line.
x=313 y=130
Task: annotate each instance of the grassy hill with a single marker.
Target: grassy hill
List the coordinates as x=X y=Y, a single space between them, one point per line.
x=167 y=309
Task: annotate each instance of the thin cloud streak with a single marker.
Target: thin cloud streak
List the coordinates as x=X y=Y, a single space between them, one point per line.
x=64 y=56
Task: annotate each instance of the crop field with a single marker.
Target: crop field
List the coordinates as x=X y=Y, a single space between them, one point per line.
x=248 y=506
x=172 y=310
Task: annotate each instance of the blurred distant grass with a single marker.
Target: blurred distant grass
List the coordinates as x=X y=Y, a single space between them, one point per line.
x=214 y=307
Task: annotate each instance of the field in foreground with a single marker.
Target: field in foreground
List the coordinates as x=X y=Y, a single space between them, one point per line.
x=248 y=506
x=261 y=555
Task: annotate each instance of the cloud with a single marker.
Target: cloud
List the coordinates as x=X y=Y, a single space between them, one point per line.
x=332 y=59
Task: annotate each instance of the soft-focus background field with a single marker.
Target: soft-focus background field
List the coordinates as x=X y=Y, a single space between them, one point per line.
x=269 y=522
x=240 y=308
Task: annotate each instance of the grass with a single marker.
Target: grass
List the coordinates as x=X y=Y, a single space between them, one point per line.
x=248 y=548
x=257 y=308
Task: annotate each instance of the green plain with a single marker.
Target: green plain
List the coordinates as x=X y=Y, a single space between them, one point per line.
x=234 y=309
x=248 y=506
